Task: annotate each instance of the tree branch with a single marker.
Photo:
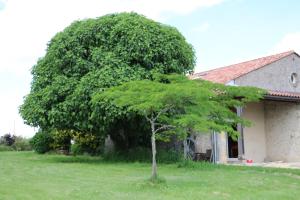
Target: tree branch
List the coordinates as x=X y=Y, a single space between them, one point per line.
x=162 y=111
x=146 y=116
x=164 y=127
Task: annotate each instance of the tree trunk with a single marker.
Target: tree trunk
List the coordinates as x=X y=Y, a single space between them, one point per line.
x=185 y=149
x=153 y=143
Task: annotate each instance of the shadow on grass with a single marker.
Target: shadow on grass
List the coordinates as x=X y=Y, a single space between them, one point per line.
x=86 y=160
x=184 y=165
x=206 y=166
x=76 y=159
x=159 y=183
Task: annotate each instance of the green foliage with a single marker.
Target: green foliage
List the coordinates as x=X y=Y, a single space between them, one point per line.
x=7 y=139
x=61 y=139
x=22 y=144
x=5 y=148
x=76 y=150
x=185 y=104
x=139 y=154
x=83 y=142
x=94 y=54
x=10 y=142
x=143 y=154
x=41 y=142
x=175 y=105
x=168 y=156
x=92 y=144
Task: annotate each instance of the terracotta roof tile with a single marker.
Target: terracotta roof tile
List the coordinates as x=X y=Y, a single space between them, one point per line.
x=283 y=94
x=228 y=73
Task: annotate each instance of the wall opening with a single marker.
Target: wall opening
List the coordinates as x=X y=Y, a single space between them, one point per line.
x=294 y=79
x=233 y=151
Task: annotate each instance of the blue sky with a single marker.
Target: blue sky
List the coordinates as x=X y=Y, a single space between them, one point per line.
x=222 y=32
x=238 y=30
x=2 y=4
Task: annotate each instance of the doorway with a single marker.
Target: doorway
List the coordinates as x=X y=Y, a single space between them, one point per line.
x=233 y=147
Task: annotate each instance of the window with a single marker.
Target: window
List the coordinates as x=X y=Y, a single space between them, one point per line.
x=294 y=79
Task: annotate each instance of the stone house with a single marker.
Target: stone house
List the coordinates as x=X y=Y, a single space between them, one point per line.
x=275 y=131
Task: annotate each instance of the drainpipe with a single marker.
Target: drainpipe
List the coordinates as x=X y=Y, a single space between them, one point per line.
x=241 y=148
x=214 y=147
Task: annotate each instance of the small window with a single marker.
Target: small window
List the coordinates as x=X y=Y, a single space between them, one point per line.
x=294 y=79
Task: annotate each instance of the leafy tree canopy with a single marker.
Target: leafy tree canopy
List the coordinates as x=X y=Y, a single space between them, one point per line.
x=175 y=104
x=188 y=104
x=94 y=54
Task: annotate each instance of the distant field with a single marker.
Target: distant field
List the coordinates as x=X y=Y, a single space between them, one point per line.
x=28 y=176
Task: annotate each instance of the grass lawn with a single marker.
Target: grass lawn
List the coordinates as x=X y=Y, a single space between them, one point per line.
x=26 y=175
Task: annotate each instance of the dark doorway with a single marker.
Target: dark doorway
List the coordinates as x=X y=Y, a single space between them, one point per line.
x=232 y=148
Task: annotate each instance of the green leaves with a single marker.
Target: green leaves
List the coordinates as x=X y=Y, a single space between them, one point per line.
x=193 y=105
x=94 y=54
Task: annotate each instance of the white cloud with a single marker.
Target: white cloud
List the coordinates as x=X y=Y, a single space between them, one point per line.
x=27 y=26
x=2 y=4
x=290 y=41
x=11 y=122
x=202 y=27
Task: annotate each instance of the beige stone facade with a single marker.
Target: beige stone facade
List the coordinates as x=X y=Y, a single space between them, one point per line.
x=282 y=131
x=274 y=134
x=275 y=131
x=255 y=135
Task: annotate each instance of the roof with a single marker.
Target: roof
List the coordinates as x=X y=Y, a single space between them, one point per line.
x=231 y=72
x=272 y=93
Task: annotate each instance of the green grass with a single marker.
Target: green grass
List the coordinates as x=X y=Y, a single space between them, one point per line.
x=26 y=175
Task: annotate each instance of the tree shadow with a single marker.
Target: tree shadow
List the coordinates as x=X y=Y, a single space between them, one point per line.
x=87 y=160
x=75 y=159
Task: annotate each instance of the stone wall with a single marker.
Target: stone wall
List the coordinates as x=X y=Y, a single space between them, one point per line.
x=282 y=125
x=222 y=147
x=254 y=136
x=275 y=76
x=273 y=136
x=203 y=142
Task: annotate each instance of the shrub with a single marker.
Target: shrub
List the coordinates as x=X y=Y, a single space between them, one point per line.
x=8 y=139
x=41 y=142
x=5 y=148
x=62 y=139
x=2 y=141
x=88 y=143
x=76 y=149
x=142 y=154
x=168 y=156
x=139 y=154
x=22 y=144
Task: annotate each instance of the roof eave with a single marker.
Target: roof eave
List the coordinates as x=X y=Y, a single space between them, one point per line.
x=281 y=98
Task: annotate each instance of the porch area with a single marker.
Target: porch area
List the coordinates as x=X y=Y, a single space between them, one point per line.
x=274 y=135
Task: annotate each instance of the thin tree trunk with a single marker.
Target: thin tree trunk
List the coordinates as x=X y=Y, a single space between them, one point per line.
x=185 y=149
x=154 y=166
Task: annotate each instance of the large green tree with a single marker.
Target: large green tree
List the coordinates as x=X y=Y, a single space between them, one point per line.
x=94 y=54
x=174 y=104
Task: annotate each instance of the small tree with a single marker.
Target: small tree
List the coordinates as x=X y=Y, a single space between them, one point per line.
x=173 y=103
